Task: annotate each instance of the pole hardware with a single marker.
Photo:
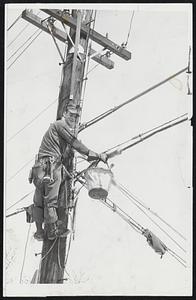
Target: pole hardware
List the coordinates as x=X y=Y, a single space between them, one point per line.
x=62 y=36
x=50 y=25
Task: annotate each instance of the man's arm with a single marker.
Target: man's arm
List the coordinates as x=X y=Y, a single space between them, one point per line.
x=64 y=132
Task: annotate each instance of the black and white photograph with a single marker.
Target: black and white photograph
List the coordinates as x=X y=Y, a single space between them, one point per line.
x=98 y=149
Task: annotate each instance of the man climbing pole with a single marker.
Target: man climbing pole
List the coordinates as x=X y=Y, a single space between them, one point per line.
x=47 y=172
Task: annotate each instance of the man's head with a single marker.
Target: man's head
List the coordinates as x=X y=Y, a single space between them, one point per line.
x=71 y=115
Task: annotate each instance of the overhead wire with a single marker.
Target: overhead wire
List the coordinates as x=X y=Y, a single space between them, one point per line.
x=136 y=226
x=110 y=111
x=30 y=122
x=174 y=256
x=154 y=222
x=25 y=251
x=165 y=127
x=19 y=200
x=140 y=229
x=24 y=49
x=146 y=132
x=129 y=31
x=23 y=44
x=19 y=170
x=94 y=67
x=17 y=19
x=20 y=32
x=149 y=210
x=143 y=137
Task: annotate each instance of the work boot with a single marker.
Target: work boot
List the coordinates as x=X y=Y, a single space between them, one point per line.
x=39 y=235
x=62 y=230
x=51 y=230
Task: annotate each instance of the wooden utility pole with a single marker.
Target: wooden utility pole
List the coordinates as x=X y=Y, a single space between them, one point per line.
x=52 y=266
x=54 y=252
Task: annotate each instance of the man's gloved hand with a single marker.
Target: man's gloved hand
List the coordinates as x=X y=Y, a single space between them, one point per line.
x=92 y=156
x=103 y=157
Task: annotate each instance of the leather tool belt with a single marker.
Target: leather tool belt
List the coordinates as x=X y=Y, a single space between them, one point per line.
x=43 y=169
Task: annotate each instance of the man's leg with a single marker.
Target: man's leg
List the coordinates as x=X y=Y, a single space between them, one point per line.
x=51 y=191
x=53 y=225
x=38 y=214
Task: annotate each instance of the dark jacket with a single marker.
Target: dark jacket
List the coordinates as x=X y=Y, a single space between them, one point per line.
x=56 y=140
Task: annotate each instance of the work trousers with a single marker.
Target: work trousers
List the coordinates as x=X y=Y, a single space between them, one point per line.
x=46 y=193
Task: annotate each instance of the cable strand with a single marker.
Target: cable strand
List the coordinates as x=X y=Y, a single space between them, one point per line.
x=24 y=50
x=17 y=19
x=149 y=210
x=30 y=122
x=23 y=44
x=20 y=200
x=155 y=223
x=130 y=26
x=25 y=250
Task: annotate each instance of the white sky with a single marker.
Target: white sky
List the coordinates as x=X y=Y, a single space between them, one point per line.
x=107 y=256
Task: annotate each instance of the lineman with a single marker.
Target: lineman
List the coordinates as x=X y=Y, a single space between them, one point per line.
x=47 y=172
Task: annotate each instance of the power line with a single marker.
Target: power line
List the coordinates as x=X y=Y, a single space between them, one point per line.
x=19 y=200
x=17 y=35
x=149 y=210
x=30 y=122
x=92 y=69
x=135 y=225
x=14 y=175
x=24 y=49
x=25 y=251
x=23 y=44
x=23 y=29
x=175 y=256
x=129 y=31
x=153 y=221
x=110 y=111
x=18 y=18
x=146 y=132
x=155 y=132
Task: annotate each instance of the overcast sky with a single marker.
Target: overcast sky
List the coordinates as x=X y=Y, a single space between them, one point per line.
x=107 y=256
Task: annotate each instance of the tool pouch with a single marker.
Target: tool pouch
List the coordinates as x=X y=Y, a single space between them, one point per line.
x=49 y=171
x=38 y=172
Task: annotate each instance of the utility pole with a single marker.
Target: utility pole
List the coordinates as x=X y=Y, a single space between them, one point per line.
x=54 y=252
x=52 y=267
